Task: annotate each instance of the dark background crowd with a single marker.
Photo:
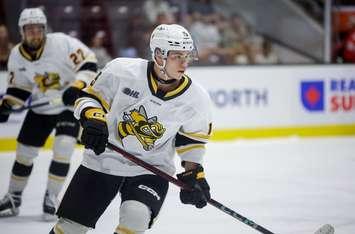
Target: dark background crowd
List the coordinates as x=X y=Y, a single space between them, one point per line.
x=226 y=32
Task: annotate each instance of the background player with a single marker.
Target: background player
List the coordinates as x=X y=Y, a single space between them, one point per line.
x=44 y=66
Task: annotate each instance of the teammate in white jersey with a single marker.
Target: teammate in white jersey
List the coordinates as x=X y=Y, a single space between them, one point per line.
x=43 y=67
x=150 y=109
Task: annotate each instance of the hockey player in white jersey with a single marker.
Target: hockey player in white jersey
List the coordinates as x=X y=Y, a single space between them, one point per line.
x=150 y=109
x=43 y=67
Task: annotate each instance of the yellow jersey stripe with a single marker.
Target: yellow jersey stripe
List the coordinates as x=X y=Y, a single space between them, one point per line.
x=103 y=102
x=196 y=136
x=184 y=149
x=24 y=53
x=154 y=84
x=178 y=89
x=28 y=56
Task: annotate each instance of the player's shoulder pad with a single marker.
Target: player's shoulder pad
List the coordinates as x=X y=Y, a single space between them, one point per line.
x=14 y=53
x=59 y=38
x=200 y=98
x=63 y=39
x=58 y=35
x=15 y=49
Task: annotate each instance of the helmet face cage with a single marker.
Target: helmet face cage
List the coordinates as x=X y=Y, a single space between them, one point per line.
x=171 y=37
x=32 y=16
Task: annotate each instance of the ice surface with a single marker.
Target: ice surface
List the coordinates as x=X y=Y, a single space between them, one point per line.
x=289 y=186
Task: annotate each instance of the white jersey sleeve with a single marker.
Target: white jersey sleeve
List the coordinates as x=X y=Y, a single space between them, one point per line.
x=195 y=133
x=16 y=77
x=19 y=87
x=101 y=90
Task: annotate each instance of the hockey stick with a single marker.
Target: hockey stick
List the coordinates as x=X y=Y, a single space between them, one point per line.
x=55 y=101
x=184 y=186
x=325 y=229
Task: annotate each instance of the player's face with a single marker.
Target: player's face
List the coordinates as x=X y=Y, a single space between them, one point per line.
x=177 y=63
x=33 y=35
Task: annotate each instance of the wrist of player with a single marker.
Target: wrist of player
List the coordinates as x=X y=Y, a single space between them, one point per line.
x=95 y=131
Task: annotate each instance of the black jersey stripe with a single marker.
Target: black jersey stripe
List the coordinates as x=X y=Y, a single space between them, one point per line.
x=181 y=140
x=18 y=93
x=89 y=66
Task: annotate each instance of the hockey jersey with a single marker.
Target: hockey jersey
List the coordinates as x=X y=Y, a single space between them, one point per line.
x=144 y=121
x=50 y=72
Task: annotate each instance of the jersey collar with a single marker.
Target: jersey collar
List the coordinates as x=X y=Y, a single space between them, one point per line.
x=184 y=84
x=27 y=55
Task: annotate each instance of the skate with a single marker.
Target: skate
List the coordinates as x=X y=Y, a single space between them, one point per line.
x=50 y=204
x=9 y=205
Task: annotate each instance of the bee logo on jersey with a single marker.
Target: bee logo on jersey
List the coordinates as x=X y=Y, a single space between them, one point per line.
x=146 y=130
x=49 y=80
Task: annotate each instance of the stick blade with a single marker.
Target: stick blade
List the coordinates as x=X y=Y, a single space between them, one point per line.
x=325 y=229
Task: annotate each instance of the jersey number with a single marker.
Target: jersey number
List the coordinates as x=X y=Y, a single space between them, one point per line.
x=11 y=77
x=77 y=57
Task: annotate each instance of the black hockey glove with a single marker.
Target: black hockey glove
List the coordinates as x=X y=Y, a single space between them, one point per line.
x=95 y=132
x=73 y=92
x=201 y=190
x=5 y=109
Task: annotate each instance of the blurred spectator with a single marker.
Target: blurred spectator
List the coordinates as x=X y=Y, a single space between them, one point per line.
x=205 y=32
x=234 y=34
x=241 y=29
x=164 y=18
x=203 y=7
x=97 y=46
x=136 y=38
x=266 y=55
x=345 y=51
x=349 y=47
x=152 y=8
x=5 y=47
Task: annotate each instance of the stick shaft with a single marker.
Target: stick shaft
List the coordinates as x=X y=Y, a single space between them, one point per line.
x=54 y=102
x=184 y=186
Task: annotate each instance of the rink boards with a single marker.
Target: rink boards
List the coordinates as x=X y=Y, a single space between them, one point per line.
x=265 y=101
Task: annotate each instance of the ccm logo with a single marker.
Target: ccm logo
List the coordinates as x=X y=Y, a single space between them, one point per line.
x=149 y=190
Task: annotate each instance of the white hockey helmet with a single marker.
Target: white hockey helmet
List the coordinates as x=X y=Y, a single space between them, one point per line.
x=167 y=37
x=32 y=16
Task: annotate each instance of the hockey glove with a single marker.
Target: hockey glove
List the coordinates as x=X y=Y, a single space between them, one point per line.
x=201 y=190
x=73 y=92
x=95 y=132
x=5 y=109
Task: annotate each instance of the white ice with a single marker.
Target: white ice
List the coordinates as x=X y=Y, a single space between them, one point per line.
x=289 y=186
